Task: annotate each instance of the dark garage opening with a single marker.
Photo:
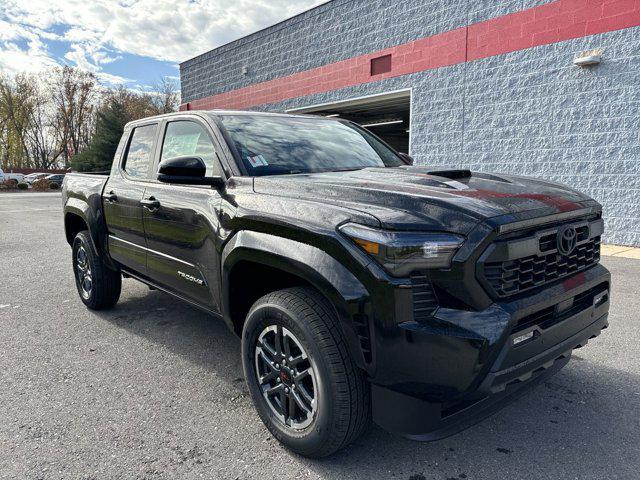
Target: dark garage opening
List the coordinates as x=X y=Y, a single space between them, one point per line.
x=388 y=116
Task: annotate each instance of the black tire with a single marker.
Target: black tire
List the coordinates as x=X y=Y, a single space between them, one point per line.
x=342 y=392
x=105 y=283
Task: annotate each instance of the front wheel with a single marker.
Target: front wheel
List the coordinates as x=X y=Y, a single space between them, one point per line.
x=305 y=386
x=98 y=285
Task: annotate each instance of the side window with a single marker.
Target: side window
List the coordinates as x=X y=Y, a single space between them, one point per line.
x=139 y=158
x=189 y=139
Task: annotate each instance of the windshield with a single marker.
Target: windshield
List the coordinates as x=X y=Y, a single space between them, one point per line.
x=282 y=145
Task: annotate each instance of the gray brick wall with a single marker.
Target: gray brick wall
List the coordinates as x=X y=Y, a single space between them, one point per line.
x=332 y=32
x=526 y=113
x=533 y=113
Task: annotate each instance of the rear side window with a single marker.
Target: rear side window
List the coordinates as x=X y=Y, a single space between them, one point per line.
x=138 y=161
x=189 y=139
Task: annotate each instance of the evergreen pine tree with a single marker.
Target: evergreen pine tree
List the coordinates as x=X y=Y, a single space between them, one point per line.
x=98 y=156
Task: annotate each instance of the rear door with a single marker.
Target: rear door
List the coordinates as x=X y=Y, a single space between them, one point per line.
x=181 y=221
x=123 y=193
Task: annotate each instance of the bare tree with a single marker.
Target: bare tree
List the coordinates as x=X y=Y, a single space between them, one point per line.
x=165 y=96
x=74 y=94
x=40 y=135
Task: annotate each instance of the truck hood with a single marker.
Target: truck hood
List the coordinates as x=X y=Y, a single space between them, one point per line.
x=418 y=198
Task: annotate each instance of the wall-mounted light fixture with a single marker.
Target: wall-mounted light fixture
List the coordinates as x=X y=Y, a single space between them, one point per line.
x=590 y=58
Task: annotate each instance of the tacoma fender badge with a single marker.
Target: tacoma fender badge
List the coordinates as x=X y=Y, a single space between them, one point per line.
x=191 y=278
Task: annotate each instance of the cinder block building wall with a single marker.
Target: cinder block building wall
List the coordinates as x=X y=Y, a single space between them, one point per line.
x=493 y=85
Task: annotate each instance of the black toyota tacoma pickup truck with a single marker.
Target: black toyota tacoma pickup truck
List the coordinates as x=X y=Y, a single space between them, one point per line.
x=361 y=286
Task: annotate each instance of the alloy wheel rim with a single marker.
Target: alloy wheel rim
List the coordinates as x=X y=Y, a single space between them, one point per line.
x=83 y=271
x=286 y=377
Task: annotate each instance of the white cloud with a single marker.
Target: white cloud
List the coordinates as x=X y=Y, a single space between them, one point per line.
x=167 y=30
x=110 y=79
x=21 y=48
x=16 y=59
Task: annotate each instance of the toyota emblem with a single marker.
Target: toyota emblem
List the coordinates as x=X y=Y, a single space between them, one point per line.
x=567 y=240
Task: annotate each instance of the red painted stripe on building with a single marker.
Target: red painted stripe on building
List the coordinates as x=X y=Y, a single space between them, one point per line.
x=550 y=23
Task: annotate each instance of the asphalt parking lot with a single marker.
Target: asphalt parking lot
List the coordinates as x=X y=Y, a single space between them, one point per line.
x=154 y=389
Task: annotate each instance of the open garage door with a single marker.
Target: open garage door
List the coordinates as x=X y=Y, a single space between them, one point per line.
x=387 y=115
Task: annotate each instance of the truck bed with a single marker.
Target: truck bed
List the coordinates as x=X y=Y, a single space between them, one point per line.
x=82 y=196
x=84 y=186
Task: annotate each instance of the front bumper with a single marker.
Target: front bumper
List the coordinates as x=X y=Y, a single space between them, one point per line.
x=442 y=376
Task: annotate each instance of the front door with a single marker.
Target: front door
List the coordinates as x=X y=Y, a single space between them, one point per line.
x=181 y=222
x=122 y=196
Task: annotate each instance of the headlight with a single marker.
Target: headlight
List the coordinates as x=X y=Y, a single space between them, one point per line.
x=400 y=253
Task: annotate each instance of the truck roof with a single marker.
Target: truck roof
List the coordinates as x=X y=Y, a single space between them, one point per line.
x=216 y=112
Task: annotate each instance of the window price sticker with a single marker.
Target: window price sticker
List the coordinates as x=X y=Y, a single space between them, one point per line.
x=258 y=161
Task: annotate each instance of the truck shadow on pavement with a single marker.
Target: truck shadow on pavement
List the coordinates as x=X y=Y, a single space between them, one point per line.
x=582 y=423
x=579 y=424
x=200 y=338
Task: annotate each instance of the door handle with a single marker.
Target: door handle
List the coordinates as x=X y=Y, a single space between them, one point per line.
x=150 y=204
x=111 y=197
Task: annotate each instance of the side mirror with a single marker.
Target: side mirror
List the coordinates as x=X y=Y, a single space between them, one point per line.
x=406 y=158
x=186 y=171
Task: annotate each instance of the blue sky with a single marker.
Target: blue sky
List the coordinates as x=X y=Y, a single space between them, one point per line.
x=127 y=42
x=137 y=70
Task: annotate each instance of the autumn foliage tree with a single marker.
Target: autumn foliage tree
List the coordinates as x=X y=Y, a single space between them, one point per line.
x=26 y=138
x=16 y=100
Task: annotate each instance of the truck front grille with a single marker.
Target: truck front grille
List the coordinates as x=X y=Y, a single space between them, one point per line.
x=516 y=265
x=515 y=276
x=424 y=298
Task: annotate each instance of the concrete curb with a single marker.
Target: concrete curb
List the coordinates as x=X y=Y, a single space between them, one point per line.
x=620 y=251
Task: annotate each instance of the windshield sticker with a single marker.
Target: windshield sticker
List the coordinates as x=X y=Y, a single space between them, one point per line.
x=258 y=161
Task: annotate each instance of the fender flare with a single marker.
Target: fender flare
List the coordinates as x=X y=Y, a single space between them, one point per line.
x=96 y=225
x=332 y=279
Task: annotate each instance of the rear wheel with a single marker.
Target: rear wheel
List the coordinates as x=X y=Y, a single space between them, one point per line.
x=98 y=285
x=305 y=386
